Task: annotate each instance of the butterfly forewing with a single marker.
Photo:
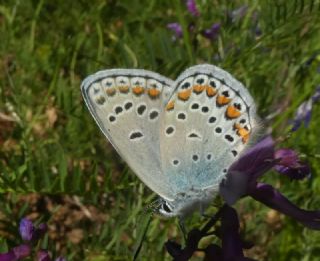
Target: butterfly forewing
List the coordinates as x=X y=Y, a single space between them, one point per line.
x=207 y=123
x=128 y=107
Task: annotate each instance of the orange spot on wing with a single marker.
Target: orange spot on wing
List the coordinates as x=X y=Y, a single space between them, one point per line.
x=245 y=138
x=110 y=91
x=170 y=106
x=184 y=95
x=138 y=90
x=198 y=88
x=232 y=112
x=123 y=89
x=153 y=93
x=211 y=91
x=223 y=100
x=242 y=132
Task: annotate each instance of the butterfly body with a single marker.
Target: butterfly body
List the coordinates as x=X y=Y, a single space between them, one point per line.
x=179 y=137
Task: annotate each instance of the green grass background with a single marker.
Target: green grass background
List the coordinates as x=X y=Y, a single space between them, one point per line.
x=52 y=149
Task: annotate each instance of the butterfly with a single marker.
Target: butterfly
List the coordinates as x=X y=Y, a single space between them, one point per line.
x=179 y=137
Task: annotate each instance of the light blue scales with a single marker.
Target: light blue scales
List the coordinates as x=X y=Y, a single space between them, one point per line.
x=179 y=137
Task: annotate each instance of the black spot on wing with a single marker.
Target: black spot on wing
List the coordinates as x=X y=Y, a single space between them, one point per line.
x=128 y=105
x=141 y=109
x=136 y=135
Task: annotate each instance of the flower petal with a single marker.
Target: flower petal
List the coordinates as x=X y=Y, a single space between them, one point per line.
x=269 y=196
x=287 y=157
x=213 y=32
x=300 y=172
x=176 y=29
x=192 y=7
x=26 y=229
x=9 y=256
x=22 y=251
x=303 y=113
x=316 y=96
x=252 y=164
x=290 y=165
x=16 y=253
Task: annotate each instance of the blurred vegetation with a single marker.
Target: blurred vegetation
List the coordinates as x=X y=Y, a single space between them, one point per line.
x=56 y=166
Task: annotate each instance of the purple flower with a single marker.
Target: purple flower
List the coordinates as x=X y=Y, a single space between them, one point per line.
x=176 y=29
x=269 y=196
x=290 y=165
x=26 y=229
x=316 y=96
x=242 y=180
x=303 y=113
x=16 y=253
x=245 y=171
x=231 y=243
x=192 y=7
x=213 y=32
x=29 y=232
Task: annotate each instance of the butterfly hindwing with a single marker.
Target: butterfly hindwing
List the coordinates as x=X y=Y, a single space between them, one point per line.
x=127 y=105
x=207 y=123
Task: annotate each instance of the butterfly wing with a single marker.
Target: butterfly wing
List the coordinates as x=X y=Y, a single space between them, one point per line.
x=208 y=122
x=127 y=105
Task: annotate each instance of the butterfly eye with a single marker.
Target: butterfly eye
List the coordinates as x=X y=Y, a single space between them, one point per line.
x=166 y=208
